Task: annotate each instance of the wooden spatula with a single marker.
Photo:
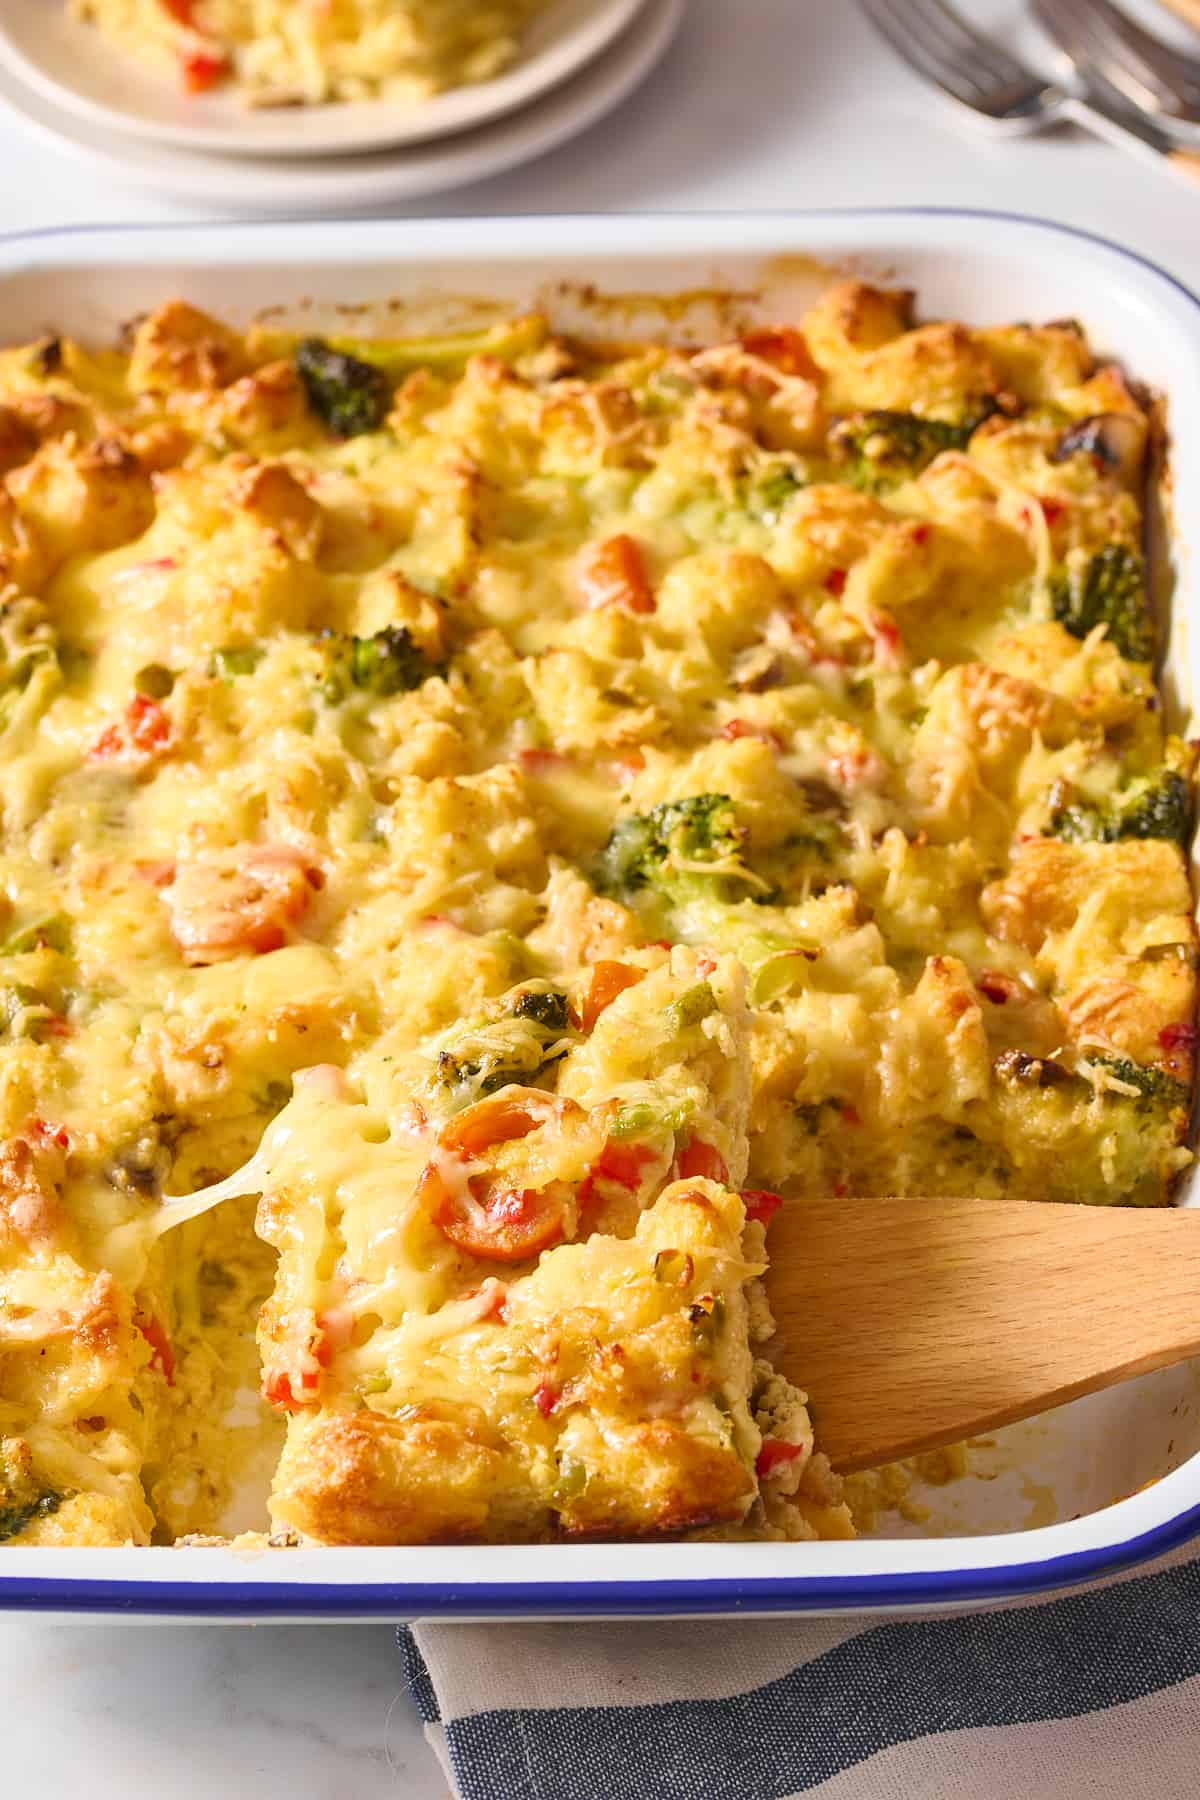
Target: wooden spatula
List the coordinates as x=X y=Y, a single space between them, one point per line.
x=913 y=1323
x=1187 y=9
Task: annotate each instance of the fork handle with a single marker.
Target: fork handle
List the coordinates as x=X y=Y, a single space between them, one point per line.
x=1130 y=130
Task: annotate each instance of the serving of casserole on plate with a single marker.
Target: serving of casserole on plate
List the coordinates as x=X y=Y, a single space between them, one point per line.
x=281 y=53
x=498 y=801
x=223 y=79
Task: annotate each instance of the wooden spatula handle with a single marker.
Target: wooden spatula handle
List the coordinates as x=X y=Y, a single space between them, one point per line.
x=1187 y=9
x=916 y=1323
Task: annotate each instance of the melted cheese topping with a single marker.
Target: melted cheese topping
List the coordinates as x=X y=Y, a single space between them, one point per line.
x=472 y=813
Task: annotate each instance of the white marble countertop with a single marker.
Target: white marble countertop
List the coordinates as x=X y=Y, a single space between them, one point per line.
x=298 y=1712
x=760 y=103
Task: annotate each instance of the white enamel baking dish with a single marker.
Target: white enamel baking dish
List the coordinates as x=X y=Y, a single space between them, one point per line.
x=1059 y=1500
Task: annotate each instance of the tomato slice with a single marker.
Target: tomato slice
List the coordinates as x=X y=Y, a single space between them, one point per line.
x=542 y=762
x=277 y=1392
x=201 y=72
x=493 y=1222
x=761 y=1205
x=46 y=1133
x=608 y=980
x=163 y=1357
x=776 y=1453
x=299 y=1353
x=505 y=1224
x=621 y=1164
x=628 y=764
x=613 y=573
x=297 y=1386
x=144 y=729
x=698 y=1159
x=512 y=1113
x=147 y=723
x=735 y=729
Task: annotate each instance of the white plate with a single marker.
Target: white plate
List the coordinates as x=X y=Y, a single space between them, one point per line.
x=351 y=184
x=69 y=64
x=1056 y=1500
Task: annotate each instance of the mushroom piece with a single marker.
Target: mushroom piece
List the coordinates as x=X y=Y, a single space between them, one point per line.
x=1115 y=439
x=1030 y=1071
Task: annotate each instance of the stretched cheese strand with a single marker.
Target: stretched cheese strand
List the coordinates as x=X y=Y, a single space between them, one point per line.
x=128 y=1245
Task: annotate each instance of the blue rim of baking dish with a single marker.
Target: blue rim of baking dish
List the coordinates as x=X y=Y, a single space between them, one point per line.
x=605 y=1599
x=791 y=1593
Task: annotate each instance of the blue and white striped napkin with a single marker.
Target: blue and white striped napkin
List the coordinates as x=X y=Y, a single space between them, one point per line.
x=1093 y=1695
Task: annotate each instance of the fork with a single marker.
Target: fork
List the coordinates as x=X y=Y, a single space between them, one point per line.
x=976 y=73
x=1100 y=39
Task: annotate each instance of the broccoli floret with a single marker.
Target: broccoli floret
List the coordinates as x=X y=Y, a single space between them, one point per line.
x=822 y=837
x=389 y=663
x=768 y=494
x=1152 y=806
x=883 y=449
x=348 y=395
x=647 y=848
x=1107 y=588
x=14 y=1518
x=1157 y=1091
x=632 y=854
x=476 y=1075
x=1145 y=1113
x=547 y=1009
x=469 y=1078
x=519 y=1047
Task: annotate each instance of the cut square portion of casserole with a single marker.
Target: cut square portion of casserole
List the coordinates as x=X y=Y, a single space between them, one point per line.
x=514 y=1310
x=606 y=1392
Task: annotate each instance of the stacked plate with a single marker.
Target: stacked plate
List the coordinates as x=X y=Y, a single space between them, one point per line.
x=579 y=60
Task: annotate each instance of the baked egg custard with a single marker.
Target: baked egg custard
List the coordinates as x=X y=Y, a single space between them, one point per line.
x=485 y=820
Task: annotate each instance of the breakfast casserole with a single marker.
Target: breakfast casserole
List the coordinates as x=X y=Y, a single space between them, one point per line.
x=306 y=52
x=486 y=820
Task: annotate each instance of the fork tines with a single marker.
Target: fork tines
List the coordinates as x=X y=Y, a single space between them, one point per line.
x=1101 y=37
x=940 y=45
